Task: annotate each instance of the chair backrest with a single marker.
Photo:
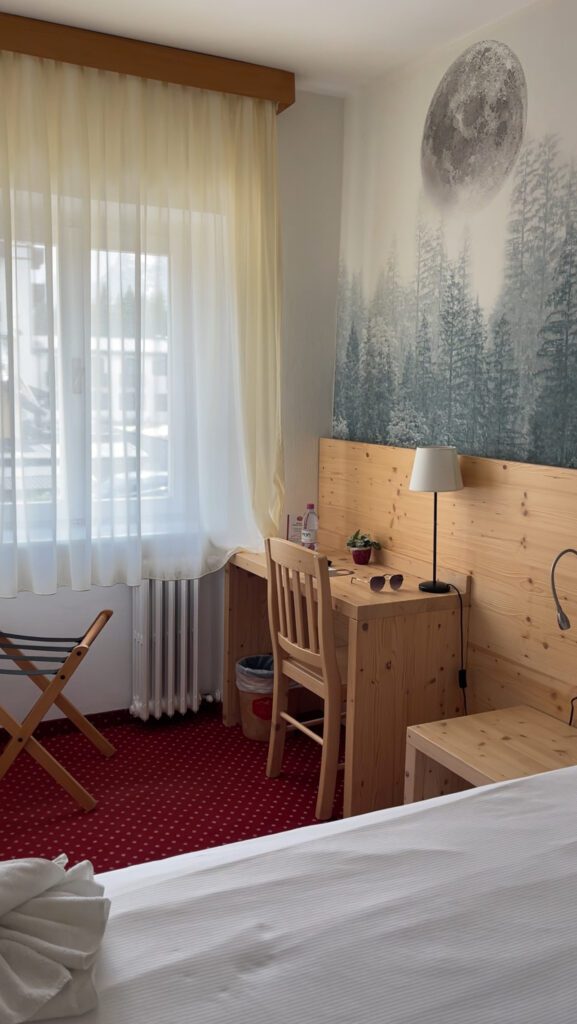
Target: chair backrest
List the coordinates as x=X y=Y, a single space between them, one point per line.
x=301 y=615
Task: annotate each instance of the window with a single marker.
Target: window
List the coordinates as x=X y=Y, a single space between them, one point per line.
x=138 y=307
x=125 y=377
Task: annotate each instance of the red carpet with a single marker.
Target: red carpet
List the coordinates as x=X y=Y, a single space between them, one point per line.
x=172 y=786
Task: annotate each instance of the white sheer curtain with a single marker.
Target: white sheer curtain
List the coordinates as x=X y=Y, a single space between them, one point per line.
x=139 y=327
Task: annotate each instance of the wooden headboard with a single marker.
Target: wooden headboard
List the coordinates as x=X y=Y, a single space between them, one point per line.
x=504 y=529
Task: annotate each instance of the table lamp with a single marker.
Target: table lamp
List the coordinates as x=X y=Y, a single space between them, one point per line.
x=436 y=468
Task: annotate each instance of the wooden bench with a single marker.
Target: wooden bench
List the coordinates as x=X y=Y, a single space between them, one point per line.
x=491 y=747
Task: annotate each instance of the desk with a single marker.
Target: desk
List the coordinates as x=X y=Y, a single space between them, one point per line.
x=403 y=658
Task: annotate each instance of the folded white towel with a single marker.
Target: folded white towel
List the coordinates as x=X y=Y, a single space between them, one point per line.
x=51 y=926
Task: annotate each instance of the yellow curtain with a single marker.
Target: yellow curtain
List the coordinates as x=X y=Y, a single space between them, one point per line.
x=139 y=327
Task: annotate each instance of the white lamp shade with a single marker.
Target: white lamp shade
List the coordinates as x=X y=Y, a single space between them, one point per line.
x=436 y=468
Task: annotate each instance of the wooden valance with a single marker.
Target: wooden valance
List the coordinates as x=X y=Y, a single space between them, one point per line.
x=145 y=60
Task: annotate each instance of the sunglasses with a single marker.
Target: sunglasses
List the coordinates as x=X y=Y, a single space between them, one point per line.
x=377 y=583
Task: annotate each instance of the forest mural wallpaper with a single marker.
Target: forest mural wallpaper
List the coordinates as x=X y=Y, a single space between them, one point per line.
x=458 y=324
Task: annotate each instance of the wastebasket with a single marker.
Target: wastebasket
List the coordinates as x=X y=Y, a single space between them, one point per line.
x=254 y=680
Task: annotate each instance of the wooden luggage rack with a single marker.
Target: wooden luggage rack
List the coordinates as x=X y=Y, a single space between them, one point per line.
x=62 y=655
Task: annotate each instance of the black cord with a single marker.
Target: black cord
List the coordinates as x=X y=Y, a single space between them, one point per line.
x=573 y=699
x=459 y=595
x=462 y=669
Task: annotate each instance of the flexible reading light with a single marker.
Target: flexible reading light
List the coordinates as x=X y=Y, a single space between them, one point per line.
x=562 y=619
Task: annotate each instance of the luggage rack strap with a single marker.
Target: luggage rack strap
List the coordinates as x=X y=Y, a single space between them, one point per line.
x=15 y=658
x=20 y=672
x=34 y=648
x=48 y=639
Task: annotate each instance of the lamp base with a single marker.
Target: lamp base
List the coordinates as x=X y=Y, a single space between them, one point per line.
x=434 y=587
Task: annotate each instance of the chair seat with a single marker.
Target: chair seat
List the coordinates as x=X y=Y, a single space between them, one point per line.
x=342 y=654
x=298 y=669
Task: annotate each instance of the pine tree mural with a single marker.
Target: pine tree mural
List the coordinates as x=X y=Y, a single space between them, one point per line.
x=464 y=266
x=440 y=264
x=473 y=384
x=343 y=310
x=392 y=296
x=554 y=422
x=358 y=309
x=502 y=394
x=343 y=332
x=424 y=247
x=377 y=385
x=408 y=426
x=398 y=308
x=453 y=324
x=569 y=198
x=423 y=387
x=379 y=303
x=548 y=219
x=353 y=396
x=518 y=248
x=421 y=362
x=535 y=234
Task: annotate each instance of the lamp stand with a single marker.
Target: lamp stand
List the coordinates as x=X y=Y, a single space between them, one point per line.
x=434 y=586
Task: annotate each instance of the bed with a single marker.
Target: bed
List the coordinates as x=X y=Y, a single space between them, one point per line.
x=455 y=911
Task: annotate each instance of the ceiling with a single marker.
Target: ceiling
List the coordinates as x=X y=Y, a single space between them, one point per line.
x=332 y=45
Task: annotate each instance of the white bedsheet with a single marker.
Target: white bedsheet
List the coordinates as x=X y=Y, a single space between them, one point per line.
x=457 y=911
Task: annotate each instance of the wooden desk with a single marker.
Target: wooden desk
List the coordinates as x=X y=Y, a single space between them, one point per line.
x=494 y=746
x=402 y=663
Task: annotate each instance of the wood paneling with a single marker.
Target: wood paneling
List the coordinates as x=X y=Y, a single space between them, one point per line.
x=145 y=60
x=504 y=529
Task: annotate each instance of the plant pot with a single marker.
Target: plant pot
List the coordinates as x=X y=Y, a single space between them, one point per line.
x=361 y=556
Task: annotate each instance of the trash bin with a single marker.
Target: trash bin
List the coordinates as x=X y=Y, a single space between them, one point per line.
x=254 y=680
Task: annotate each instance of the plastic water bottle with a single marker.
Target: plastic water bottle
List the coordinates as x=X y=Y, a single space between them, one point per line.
x=310 y=527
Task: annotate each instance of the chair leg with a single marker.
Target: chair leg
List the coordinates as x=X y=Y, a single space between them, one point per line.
x=277 y=726
x=329 y=762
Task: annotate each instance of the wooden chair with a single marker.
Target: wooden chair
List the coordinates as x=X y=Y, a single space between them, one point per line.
x=301 y=626
x=63 y=655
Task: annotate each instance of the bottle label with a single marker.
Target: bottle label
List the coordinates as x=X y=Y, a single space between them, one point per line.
x=309 y=538
x=294 y=529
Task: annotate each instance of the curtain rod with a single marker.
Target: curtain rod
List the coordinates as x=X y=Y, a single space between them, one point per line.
x=145 y=60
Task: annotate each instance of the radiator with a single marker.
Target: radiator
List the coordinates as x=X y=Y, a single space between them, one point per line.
x=165 y=648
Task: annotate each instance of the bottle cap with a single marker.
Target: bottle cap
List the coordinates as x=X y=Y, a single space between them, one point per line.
x=311 y=504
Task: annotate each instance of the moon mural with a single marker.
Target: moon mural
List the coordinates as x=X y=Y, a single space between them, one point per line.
x=474 y=127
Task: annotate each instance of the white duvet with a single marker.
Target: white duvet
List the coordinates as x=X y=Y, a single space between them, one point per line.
x=456 y=911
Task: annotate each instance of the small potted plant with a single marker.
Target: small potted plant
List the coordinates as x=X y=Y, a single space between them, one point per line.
x=361 y=547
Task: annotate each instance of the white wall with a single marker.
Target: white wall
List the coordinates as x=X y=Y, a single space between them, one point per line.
x=310 y=170
x=310 y=164
x=103 y=682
